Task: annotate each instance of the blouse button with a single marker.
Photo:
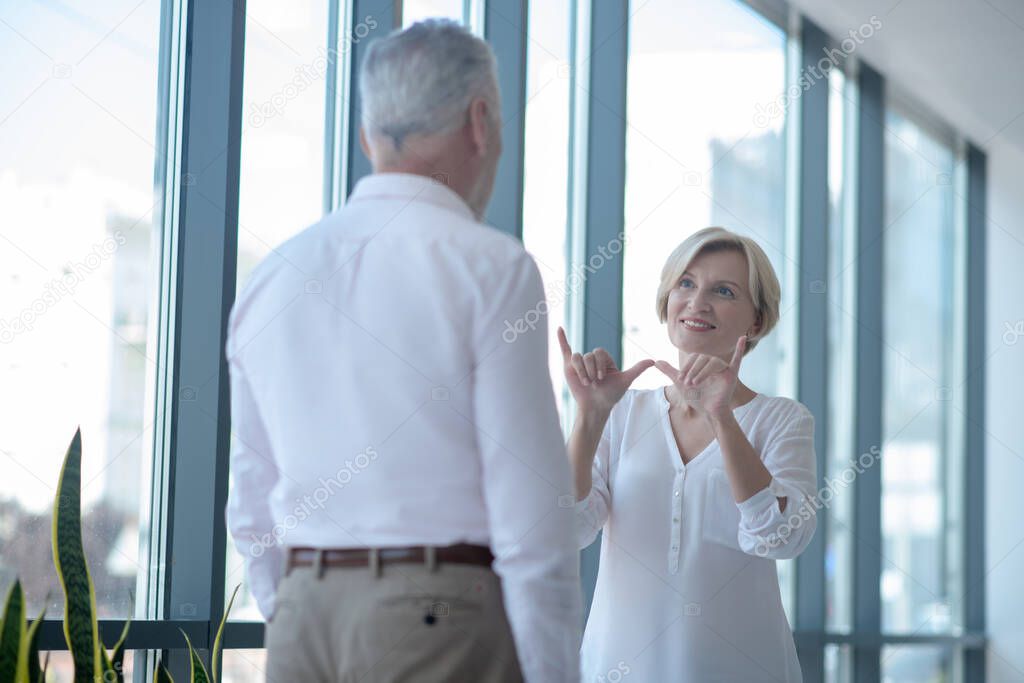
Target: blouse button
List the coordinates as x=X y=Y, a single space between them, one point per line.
x=677 y=493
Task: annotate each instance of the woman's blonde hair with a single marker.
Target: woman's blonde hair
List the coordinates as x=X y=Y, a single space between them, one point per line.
x=763 y=284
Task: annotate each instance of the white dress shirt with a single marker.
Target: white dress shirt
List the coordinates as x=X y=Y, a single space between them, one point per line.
x=687 y=588
x=379 y=398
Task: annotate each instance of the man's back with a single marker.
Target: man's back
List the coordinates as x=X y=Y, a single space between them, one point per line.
x=380 y=400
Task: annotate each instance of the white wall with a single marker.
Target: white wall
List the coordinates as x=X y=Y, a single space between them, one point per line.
x=1005 y=417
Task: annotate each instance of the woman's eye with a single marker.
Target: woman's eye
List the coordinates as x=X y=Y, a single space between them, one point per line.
x=725 y=291
x=686 y=282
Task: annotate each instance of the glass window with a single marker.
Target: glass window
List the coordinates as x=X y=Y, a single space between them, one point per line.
x=917 y=664
x=838 y=664
x=838 y=521
x=243 y=666
x=281 y=188
x=688 y=167
x=61 y=668
x=417 y=10
x=284 y=98
x=78 y=266
x=546 y=165
x=922 y=558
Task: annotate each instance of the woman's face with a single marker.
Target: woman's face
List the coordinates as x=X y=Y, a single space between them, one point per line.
x=710 y=307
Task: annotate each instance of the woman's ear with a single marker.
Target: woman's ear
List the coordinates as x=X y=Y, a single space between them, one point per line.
x=756 y=329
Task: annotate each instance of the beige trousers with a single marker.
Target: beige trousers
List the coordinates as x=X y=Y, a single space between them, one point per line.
x=409 y=623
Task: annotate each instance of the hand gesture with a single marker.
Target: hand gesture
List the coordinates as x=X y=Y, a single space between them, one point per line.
x=707 y=382
x=594 y=380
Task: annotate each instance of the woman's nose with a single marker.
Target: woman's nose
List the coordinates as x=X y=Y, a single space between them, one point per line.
x=698 y=301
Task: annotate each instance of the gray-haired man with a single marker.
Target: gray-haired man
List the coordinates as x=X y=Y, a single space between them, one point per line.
x=391 y=434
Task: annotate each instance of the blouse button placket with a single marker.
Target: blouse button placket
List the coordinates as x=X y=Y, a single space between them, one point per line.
x=677 y=514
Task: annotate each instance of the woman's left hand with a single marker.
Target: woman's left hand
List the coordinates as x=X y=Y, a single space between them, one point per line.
x=707 y=382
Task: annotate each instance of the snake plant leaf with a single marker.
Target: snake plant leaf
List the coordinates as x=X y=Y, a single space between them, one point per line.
x=117 y=656
x=46 y=666
x=81 y=630
x=12 y=632
x=108 y=669
x=199 y=673
x=161 y=674
x=28 y=657
x=215 y=653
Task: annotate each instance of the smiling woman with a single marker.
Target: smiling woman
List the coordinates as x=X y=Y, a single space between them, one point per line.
x=708 y=503
x=716 y=261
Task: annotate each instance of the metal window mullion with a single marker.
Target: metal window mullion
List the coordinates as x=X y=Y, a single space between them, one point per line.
x=974 y=429
x=505 y=28
x=812 y=316
x=603 y=56
x=334 y=106
x=867 y=618
x=205 y=289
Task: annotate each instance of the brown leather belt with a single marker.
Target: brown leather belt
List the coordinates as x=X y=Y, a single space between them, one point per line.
x=462 y=553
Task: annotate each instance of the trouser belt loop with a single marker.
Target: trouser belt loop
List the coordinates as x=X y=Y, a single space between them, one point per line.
x=375 y=562
x=430 y=558
x=318 y=563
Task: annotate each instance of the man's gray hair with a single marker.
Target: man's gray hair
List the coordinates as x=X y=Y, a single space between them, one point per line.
x=421 y=80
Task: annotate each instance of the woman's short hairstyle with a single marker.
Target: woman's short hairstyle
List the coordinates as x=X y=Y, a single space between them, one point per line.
x=763 y=283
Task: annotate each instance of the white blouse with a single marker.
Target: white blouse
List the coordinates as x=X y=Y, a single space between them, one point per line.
x=687 y=588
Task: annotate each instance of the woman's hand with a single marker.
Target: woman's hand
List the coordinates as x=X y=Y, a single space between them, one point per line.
x=594 y=380
x=707 y=382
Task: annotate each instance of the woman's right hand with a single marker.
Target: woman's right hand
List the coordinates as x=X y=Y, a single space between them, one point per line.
x=594 y=380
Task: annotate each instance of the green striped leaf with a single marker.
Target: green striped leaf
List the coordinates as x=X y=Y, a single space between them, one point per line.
x=215 y=653
x=117 y=656
x=199 y=673
x=161 y=674
x=12 y=632
x=46 y=666
x=28 y=658
x=80 y=628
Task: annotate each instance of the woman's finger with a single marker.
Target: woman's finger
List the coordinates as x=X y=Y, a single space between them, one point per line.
x=604 y=362
x=737 y=354
x=714 y=366
x=697 y=366
x=685 y=367
x=563 y=343
x=668 y=369
x=581 y=370
x=632 y=373
x=590 y=363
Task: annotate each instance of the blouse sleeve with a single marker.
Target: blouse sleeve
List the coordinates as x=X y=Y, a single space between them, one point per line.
x=764 y=530
x=592 y=511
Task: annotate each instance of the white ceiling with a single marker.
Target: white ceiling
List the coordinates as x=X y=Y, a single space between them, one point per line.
x=963 y=59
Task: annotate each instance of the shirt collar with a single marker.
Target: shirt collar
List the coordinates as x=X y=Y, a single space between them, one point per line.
x=412 y=188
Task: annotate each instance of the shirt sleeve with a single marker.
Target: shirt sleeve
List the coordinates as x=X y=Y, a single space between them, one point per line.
x=253 y=474
x=525 y=475
x=764 y=530
x=592 y=511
